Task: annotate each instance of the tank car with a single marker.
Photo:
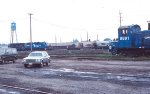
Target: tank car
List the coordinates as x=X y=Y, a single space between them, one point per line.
x=131 y=41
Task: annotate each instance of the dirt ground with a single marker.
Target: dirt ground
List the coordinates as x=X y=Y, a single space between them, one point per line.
x=82 y=76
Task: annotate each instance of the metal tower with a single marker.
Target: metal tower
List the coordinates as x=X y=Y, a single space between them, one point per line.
x=13 y=32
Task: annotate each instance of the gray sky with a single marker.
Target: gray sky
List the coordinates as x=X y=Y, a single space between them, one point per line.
x=70 y=19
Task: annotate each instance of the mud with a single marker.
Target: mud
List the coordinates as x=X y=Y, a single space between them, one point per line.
x=78 y=77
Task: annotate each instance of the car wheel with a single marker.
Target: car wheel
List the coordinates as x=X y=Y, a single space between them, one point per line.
x=3 y=61
x=41 y=65
x=25 y=65
x=13 y=61
x=47 y=63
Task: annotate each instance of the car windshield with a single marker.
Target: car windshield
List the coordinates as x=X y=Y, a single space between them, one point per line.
x=35 y=54
x=2 y=51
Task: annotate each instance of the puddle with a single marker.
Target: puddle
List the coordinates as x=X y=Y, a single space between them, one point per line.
x=4 y=91
x=72 y=74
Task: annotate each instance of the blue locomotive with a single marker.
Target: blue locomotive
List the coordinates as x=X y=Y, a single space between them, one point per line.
x=131 y=41
x=36 y=46
x=27 y=46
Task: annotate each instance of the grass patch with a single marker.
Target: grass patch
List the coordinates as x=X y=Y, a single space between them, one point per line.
x=120 y=57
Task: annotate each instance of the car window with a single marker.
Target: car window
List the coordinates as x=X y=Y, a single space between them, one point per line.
x=35 y=54
x=14 y=51
x=2 y=51
x=45 y=54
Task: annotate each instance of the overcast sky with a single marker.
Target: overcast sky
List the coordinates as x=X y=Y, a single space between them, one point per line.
x=70 y=19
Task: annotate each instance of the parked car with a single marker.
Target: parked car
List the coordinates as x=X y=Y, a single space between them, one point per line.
x=8 y=54
x=37 y=58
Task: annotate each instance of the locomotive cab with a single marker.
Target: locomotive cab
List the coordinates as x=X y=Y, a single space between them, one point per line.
x=126 y=39
x=126 y=36
x=131 y=41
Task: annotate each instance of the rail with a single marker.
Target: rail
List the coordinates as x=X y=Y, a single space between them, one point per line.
x=24 y=89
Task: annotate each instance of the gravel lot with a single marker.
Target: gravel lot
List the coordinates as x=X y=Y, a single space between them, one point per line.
x=77 y=77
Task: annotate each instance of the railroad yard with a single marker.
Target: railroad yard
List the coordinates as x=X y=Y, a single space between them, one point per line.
x=75 y=47
x=76 y=76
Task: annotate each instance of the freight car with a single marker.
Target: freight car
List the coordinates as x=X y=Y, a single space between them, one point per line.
x=67 y=45
x=18 y=46
x=131 y=41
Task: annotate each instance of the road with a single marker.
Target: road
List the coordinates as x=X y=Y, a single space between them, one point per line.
x=76 y=77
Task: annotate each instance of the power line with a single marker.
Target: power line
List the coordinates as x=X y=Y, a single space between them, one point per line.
x=10 y=20
x=61 y=26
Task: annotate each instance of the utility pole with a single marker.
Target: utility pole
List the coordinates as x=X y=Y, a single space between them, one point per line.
x=81 y=38
x=97 y=37
x=55 y=40
x=87 y=36
x=120 y=17
x=30 y=14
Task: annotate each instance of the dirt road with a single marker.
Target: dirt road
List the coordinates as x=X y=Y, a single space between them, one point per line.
x=77 y=77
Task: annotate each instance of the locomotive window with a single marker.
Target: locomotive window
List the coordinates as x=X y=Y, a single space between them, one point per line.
x=124 y=32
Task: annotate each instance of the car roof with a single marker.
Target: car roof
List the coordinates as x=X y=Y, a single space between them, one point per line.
x=38 y=52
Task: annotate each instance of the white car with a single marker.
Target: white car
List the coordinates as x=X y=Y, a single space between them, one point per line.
x=37 y=58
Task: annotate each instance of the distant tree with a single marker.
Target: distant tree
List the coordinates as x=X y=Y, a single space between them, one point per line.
x=107 y=39
x=75 y=41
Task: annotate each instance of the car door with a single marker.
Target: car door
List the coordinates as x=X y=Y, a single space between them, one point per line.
x=45 y=57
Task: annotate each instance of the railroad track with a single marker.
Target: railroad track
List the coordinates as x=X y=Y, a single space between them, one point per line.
x=25 y=89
